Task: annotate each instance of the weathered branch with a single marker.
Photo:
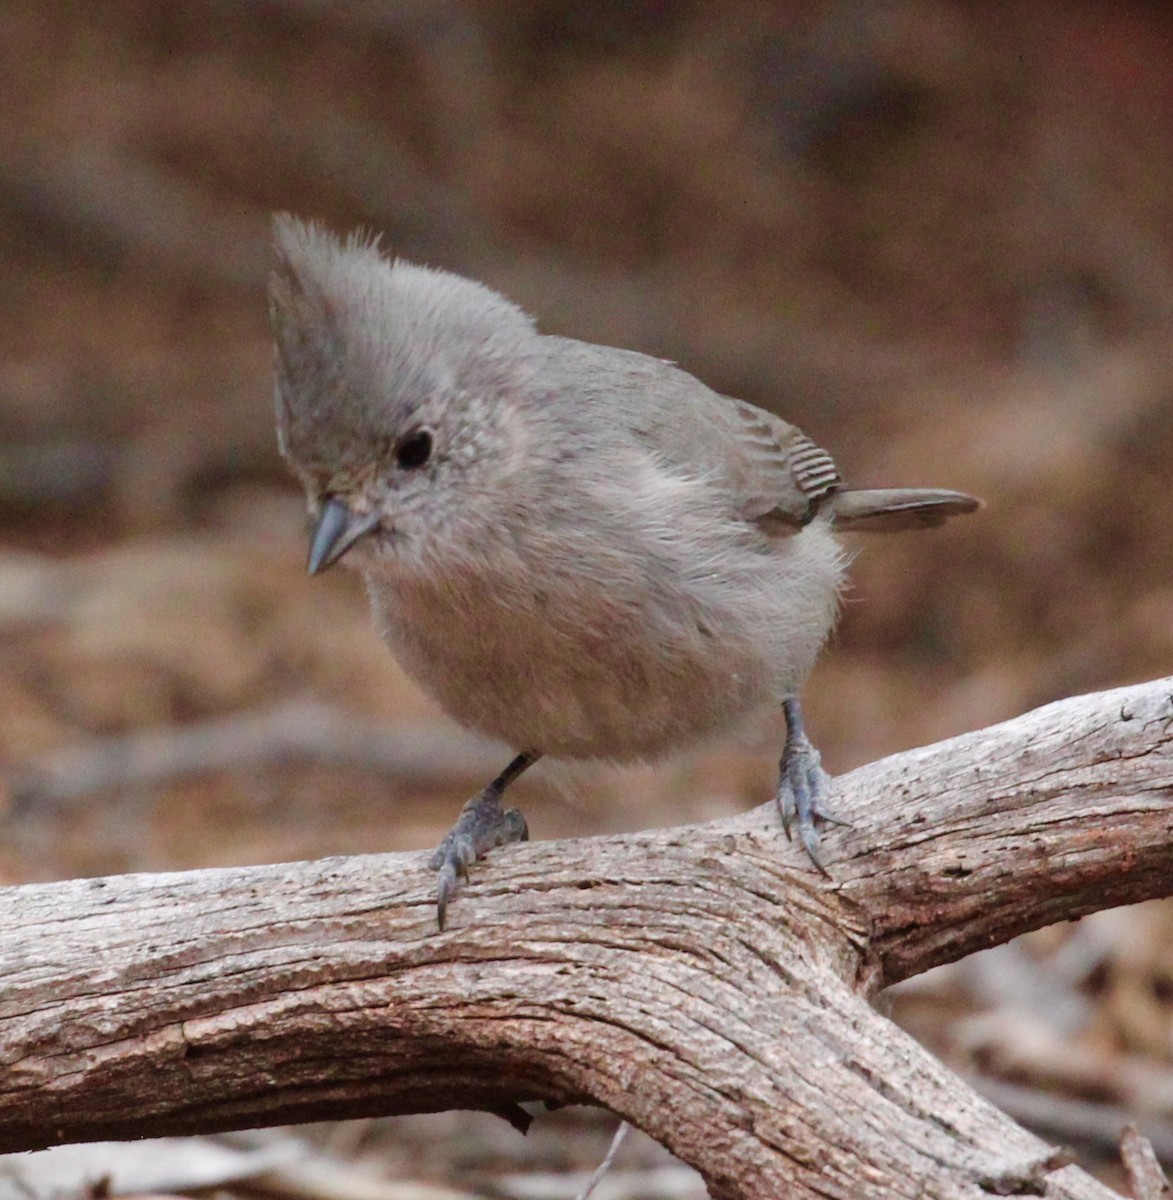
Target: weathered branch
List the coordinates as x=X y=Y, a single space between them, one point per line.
x=703 y=982
x=418 y=755
x=1048 y=817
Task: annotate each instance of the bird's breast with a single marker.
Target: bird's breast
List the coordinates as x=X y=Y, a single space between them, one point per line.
x=573 y=667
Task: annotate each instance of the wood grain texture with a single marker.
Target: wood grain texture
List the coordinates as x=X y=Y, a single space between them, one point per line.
x=702 y=982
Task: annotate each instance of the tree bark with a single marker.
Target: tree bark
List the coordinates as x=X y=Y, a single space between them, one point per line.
x=702 y=982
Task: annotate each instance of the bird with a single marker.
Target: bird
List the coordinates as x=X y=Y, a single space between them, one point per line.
x=581 y=551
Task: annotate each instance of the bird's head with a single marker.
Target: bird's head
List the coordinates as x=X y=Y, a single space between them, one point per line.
x=400 y=398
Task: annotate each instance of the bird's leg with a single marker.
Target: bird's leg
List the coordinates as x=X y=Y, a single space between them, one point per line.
x=482 y=824
x=802 y=784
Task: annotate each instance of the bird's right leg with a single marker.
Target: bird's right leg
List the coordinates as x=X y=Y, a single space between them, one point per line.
x=482 y=824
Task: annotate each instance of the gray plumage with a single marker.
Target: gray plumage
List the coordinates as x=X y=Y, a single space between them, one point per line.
x=582 y=551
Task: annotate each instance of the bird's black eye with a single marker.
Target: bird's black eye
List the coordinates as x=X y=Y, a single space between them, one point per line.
x=413 y=449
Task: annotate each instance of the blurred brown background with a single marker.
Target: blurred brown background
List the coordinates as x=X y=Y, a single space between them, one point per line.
x=938 y=236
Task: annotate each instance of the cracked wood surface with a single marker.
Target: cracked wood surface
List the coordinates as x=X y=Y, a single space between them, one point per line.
x=702 y=982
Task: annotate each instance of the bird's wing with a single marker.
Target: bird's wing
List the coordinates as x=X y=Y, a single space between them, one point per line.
x=770 y=469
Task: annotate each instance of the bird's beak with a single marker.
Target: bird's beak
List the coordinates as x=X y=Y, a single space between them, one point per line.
x=338 y=529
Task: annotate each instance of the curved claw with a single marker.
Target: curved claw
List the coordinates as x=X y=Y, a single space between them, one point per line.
x=801 y=790
x=481 y=826
x=451 y=859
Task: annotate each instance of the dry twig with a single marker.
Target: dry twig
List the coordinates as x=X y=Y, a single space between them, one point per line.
x=1145 y=1177
x=603 y=1167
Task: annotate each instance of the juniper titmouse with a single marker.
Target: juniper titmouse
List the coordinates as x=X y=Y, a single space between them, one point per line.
x=581 y=551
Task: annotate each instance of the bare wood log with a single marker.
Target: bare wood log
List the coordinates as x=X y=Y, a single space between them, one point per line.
x=425 y=754
x=703 y=983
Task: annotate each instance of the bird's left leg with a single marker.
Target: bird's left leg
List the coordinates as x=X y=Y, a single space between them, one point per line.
x=802 y=784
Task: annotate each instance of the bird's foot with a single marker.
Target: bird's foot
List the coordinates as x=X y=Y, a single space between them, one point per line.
x=481 y=826
x=802 y=789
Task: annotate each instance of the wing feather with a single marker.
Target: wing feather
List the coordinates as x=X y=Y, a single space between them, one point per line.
x=768 y=467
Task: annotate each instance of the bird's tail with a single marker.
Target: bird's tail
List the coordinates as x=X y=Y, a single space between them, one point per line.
x=887 y=510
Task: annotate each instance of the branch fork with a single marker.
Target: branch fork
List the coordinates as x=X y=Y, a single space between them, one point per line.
x=704 y=983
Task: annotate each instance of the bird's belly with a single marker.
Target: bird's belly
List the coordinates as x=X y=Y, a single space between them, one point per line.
x=574 y=675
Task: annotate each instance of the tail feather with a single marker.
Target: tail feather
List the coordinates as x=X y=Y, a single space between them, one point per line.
x=887 y=510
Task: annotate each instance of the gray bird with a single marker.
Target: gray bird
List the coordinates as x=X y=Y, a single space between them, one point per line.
x=581 y=551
